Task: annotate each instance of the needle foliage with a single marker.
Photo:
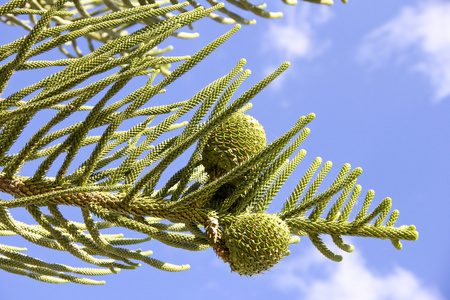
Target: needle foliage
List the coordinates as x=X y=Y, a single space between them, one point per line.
x=120 y=182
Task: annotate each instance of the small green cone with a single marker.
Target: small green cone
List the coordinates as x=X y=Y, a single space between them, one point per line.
x=231 y=142
x=256 y=242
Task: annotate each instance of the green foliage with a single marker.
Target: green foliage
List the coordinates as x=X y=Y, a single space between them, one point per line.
x=118 y=181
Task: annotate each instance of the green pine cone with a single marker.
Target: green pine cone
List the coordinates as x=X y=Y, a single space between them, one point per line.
x=256 y=242
x=231 y=142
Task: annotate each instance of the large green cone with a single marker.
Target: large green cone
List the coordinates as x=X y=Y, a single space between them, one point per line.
x=256 y=242
x=231 y=142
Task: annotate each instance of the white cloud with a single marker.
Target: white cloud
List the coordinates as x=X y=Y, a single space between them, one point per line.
x=293 y=36
x=423 y=30
x=313 y=277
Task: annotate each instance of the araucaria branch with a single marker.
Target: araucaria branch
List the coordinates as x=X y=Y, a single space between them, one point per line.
x=218 y=199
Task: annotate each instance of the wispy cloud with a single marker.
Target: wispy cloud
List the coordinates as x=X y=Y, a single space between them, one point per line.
x=419 y=35
x=293 y=37
x=313 y=277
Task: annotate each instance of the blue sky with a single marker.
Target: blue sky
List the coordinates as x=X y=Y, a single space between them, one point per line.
x=377 y=76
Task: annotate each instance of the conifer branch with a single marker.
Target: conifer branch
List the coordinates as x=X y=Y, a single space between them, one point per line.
x=220 y=196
